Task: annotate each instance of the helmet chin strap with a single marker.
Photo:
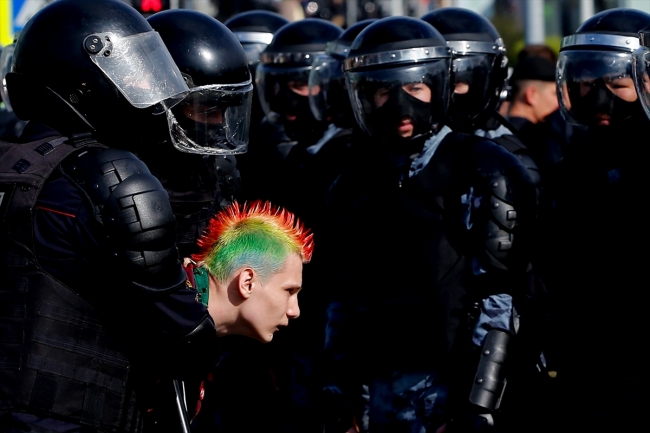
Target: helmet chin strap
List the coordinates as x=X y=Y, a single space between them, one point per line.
x=86 y=124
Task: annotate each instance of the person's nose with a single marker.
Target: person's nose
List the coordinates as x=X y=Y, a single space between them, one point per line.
x=293 y=310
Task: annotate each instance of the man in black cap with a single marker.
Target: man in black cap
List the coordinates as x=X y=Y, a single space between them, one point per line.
x=533 y=90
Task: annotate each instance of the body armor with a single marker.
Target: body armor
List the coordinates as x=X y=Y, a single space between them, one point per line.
x=52 y=341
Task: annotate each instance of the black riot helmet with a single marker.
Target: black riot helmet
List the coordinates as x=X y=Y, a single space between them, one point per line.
x=283 y=75
x=97 y=66
x=595 y=69
x=255 y=30
x=398 y=78
x=480 y=63
x=328 y=95
x=214 y=117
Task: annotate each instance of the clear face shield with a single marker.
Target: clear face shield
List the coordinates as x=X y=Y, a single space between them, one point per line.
x=596 y=87
x=140 y=67
x=473 y=90
x=641 y=73
x=213 y=119
x=404 y=101
x=253 y=51
x=283 y=91
x=326 y=83
x=253 y=43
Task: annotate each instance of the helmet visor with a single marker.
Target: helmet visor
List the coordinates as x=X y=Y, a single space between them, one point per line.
x=282 y=89
x=641 y=72
x=5 y=66
x=426 y=85
x=474 y=89
x=253 y=51
x=213 y=119
x=140 y=67
x=326 y=71
x=595 y=87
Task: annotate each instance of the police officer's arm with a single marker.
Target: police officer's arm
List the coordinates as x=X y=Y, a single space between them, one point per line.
x=503 y=208
x=139 y=244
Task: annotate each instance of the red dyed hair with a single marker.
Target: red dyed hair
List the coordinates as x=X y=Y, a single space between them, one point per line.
x=275 y=221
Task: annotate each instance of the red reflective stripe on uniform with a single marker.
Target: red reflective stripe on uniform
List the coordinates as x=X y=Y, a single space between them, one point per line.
x=56 y=211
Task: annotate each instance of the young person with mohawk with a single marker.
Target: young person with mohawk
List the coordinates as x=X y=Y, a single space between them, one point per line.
x=248 y=272
x=251 y=258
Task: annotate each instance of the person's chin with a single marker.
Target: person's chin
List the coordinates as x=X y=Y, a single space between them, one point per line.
x=265 y=338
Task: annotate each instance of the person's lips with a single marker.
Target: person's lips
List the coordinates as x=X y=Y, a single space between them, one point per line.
x=405 y=125
x=603 y=119
x=280 y=326
x=290 y=117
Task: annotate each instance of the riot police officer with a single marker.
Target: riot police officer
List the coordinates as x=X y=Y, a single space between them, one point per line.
x=328 y=98
x=102 y=309
x=480 y=68
x=600 y=264
x=329 y=102
x=209 y=127
x=408 y=311
x=282 y=79
x=480 y=72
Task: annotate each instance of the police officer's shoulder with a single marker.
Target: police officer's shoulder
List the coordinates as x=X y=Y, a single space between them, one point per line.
x=99 y=170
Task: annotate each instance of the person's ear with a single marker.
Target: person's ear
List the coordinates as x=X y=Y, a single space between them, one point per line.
x=530 y=95
x=245 y=282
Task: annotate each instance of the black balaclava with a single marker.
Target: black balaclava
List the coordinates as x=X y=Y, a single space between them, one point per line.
x=305 y=127
x=601 y=100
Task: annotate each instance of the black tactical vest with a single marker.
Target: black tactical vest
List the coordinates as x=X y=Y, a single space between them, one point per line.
x=55 y=358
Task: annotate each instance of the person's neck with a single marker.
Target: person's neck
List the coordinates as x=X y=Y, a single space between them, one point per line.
x=221 y=309
x=522 y=110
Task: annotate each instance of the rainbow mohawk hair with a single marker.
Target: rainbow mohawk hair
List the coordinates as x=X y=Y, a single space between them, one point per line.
x=259 y=235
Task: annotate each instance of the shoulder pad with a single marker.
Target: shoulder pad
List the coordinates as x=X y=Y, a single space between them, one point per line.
x=514 y=145
x=99 y=171
x=134 y=208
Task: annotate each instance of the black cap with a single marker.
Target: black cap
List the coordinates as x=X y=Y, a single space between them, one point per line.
x=534 y=68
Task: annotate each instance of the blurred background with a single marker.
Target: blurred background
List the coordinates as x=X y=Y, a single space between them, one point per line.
x=520 y=22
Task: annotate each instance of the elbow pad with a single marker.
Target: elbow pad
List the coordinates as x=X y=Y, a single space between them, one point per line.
x=134 y=209
x=506 y=210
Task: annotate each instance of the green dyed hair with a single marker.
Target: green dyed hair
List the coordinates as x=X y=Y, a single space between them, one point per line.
x=258 y=235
